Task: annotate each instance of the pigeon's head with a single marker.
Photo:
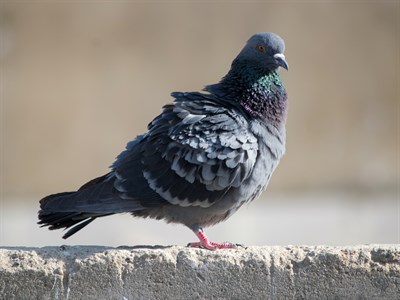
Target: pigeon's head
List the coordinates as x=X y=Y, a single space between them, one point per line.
x=264 y=51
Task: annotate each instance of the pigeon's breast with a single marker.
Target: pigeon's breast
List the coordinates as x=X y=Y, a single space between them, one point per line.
x=271 y=148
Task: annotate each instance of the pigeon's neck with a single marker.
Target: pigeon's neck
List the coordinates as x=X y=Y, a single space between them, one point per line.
x=262 y=95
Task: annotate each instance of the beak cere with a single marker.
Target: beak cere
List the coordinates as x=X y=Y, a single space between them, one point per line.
x=281 y=61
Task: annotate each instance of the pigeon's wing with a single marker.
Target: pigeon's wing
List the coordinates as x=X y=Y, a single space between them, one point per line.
x=194 y=152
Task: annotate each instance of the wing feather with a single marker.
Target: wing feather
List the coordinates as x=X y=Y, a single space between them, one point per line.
x=194 y=152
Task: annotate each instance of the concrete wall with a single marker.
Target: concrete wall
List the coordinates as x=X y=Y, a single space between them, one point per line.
x=81 y=272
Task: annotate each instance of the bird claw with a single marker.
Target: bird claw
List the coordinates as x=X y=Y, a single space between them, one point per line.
x=200 y=245
x=213 y=245
x=205 y=243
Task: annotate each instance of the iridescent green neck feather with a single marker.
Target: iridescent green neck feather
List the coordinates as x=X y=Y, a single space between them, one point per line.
x=260 y=93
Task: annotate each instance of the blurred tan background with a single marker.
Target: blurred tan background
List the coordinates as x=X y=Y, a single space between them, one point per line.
x=79 y=80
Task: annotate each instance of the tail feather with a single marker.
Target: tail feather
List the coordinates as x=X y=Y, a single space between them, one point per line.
x=57 y=220
x=77 y=227
x=75 y=221
x=75 y=210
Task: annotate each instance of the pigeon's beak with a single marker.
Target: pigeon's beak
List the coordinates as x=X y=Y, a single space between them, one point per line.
x=281 y=61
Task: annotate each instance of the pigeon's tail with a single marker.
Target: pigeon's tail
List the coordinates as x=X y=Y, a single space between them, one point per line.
x=59 y=220
x=75 y=210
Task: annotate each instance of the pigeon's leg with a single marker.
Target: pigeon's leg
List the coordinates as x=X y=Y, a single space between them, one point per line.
x=206 y=243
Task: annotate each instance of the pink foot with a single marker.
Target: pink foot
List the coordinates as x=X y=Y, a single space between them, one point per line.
x=207 y=244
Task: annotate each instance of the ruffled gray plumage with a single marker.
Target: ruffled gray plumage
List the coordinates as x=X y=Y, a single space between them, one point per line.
x=203 y=157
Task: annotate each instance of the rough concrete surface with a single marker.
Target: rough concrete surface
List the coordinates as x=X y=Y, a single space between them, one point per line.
x=147 y=272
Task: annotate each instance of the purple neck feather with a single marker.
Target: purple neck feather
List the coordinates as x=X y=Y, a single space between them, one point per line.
x=262 y=96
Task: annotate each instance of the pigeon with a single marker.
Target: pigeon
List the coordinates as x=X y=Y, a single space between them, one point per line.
x=202 y=158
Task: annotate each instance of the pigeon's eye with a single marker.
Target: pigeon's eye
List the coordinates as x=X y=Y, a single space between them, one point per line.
x=261 y=47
